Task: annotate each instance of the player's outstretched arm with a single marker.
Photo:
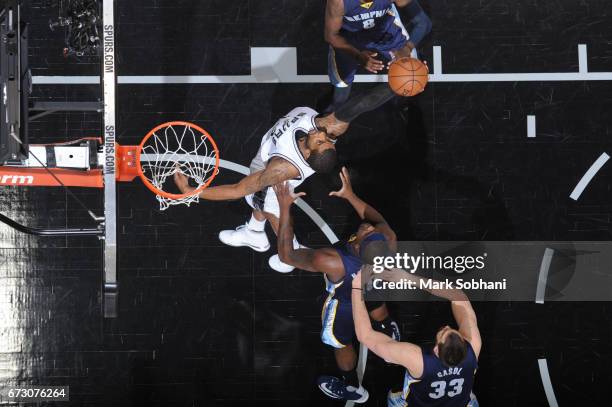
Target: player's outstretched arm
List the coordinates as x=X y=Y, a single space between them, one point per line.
x=460 y=304
x=321 y=260
x=363 y=209
x=400 y=353
x=420 y=22
x=468 y=324
x=277 y=170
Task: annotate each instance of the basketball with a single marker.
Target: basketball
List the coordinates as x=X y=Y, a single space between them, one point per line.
x=408 y=76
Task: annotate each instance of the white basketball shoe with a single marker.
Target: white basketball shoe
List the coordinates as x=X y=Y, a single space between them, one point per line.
x=277 y=265
x=243 y=236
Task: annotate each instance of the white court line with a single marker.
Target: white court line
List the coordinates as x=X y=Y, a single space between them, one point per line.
x=531 y=126
x=437 y=61
x=279 y=65
x=66 y=80
x=318 y=220
x=588 y=176
x=583 y=62
x=543 y=276
x=204 y=79
x=361 y=365
x=548 y=389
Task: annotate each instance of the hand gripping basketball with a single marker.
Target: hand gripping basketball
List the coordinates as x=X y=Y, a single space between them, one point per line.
x=408 y=76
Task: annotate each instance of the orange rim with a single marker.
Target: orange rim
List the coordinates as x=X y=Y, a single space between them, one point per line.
x=167 y=194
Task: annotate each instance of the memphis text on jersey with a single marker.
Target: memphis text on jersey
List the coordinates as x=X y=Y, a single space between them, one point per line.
x=369 y=15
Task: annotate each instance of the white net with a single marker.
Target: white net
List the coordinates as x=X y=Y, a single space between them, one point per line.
x=178 y=147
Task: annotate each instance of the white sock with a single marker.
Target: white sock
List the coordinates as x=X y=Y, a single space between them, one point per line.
x=256 y=225
x=296 y=244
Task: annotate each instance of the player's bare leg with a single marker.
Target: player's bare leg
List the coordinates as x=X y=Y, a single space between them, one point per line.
x=346 y=359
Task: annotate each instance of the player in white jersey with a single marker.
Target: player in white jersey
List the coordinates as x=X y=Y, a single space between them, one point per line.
x=298 y=145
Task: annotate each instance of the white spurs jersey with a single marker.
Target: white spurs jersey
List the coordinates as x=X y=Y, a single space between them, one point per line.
x=280 y=141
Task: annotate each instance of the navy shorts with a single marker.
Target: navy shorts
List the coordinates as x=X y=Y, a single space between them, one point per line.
x=337 y=319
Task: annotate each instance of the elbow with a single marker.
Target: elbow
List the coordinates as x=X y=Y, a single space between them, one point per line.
x=362 y=336
x=330 y=37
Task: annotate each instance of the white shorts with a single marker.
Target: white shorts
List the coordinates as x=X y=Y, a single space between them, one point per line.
x=263 y=200
x=270 y=203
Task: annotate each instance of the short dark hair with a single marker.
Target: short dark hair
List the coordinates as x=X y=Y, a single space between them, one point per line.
x=372 y=249
x=453 y=350
x=323 y=162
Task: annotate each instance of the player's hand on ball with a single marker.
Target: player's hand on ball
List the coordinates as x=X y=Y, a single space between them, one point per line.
x=347 y=189
x=285 y=194
x=369 y=62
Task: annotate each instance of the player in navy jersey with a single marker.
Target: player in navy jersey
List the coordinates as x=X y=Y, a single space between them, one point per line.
x=366 y=33
x=441 y=376
x=339 y=265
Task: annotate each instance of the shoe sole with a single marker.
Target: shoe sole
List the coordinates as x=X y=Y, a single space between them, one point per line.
x=280 y=271
x=256 y=248
x=328 y=394
x=363 y=398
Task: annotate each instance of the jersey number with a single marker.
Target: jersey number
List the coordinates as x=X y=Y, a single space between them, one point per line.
x=367 y=24
x=440 y=388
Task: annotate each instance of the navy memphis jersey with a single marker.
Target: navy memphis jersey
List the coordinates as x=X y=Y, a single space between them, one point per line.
x=352 y=264
x=370 y=23
x=440 y=385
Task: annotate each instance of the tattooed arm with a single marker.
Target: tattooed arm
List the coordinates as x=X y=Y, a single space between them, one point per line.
x=326 y=260
x=277 y=170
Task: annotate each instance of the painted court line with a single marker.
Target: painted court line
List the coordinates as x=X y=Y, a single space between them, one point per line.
x=548 y=389
x=583 y=63
x=279 y=65
x=588 y=176
x=437 y=61
x=543 y=276
x=531 y=126
x=361 y=365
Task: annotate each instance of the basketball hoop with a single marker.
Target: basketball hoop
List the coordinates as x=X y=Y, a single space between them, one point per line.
x=167 y=149
x=172 y=147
